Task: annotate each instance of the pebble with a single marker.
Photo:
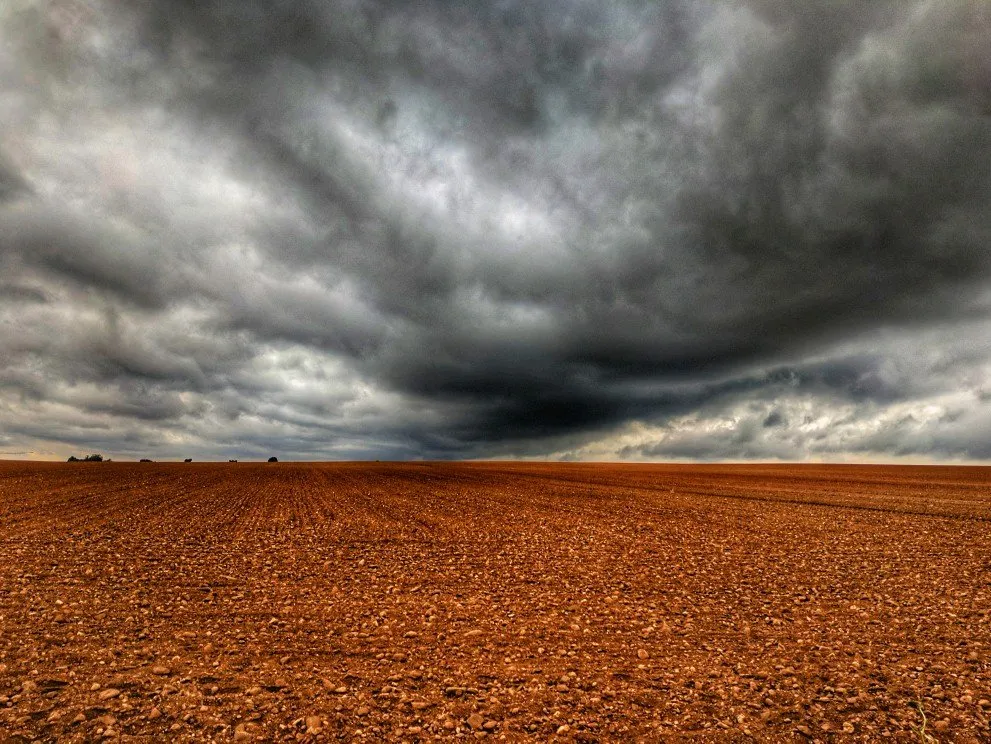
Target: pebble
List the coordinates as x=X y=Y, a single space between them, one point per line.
x=160 y=670
x=109 y=693
x=475 y=720
x=643 y=654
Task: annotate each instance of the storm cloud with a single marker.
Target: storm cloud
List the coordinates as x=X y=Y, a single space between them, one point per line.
x=350 y=229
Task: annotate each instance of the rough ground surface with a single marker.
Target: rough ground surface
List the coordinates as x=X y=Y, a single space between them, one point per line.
x=387 y=602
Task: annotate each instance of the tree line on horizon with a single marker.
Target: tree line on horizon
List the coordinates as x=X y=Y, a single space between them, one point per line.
x=99 y=458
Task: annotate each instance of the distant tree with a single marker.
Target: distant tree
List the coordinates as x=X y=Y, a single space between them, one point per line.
x=232 y=461
x=273 y=459
x=93 y=458
x=145 y=459
x=73 y=458
x=188 y=459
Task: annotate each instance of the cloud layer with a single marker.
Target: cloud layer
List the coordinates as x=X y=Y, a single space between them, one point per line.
x=346 y=228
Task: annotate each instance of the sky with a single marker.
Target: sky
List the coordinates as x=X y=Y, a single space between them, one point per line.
x=563 y=229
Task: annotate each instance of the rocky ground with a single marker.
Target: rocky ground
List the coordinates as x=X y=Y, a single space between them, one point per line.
x=573 y=603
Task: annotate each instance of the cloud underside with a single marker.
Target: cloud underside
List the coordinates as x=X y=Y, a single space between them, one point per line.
x=604 y=230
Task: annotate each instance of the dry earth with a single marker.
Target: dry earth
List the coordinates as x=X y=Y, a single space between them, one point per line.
x=388 y=602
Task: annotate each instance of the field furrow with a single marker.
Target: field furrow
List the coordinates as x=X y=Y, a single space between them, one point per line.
x=516 y=601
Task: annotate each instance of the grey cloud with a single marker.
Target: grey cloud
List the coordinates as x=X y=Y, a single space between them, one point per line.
x=21 y=293
x=487 y=228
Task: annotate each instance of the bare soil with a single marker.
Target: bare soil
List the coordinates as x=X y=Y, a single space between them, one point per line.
x=407 y=602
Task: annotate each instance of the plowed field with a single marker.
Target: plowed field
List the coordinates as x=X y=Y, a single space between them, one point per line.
x=406 y=602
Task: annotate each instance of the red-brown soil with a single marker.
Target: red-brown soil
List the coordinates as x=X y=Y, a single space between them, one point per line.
x=387 y=602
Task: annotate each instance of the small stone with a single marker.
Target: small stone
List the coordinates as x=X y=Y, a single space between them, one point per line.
x=643 y=654
x=154 y=714
x=561 y=730
x=109 y=693
x=162 y=671
x=342 y=690
x=364 y=710
x=942 y=725
x=804 y=730
x=475 y=720
x=94 y=687
x=314 y=724
x=473 y=633
x=490 y=725
x=244 y=732
x=109 y=734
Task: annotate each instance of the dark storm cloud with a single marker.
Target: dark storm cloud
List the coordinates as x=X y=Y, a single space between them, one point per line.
x=465 y=229
x=12 y=184
x=91 y=258
x=774 y=418
x=847 y=190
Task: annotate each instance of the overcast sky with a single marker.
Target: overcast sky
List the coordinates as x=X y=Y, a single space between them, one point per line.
x=328 y=229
